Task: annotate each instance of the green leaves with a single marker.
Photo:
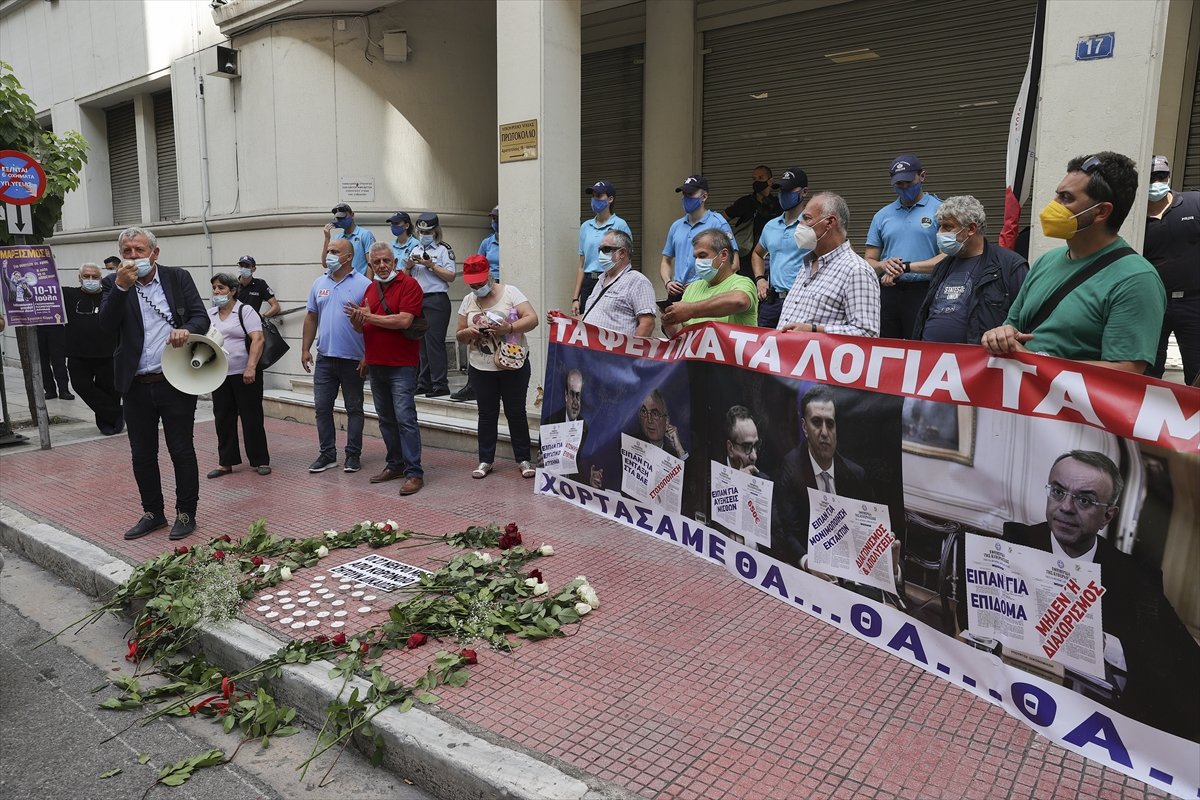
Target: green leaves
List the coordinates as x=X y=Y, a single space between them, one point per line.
x=110 y=773
x=180 y=772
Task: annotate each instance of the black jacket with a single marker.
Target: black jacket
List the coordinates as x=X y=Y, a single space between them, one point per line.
x=995 y=284
x=789 y=517
x=120 y=311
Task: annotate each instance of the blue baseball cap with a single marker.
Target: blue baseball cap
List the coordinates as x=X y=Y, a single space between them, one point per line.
x=905 y=167
x=602 y=187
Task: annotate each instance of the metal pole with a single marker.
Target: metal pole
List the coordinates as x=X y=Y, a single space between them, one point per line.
x=29 y=334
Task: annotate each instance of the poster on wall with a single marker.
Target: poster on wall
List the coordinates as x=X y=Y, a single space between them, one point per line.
x=1021 y=528
x=32 y=295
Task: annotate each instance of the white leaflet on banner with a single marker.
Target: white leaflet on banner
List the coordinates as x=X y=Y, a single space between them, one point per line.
x=1036 y=602
x=651 y=474
x=1074 y=721
x=742 y=503
x=560 y=446
x=851 y=539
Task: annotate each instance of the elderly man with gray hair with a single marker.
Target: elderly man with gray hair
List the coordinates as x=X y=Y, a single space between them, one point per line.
x=971 y=290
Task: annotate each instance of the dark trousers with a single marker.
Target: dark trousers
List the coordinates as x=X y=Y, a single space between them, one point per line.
x=590 y=279
x=491 y=387
x=234 y=400
x=52 y=349
x=330 y=375
x=770 y=309
x=1183 y=319
x=145 y=405
x=899 y=306
x=432 y=377
x=93 y=381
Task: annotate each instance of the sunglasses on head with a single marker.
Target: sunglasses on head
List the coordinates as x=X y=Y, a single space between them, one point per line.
x=1094 y=165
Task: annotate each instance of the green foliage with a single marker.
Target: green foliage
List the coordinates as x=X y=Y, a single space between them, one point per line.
x=178 y=773
x=61 y=156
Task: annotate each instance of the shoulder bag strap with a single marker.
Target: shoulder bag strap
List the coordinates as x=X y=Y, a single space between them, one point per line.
x=1074 y=283
x=383 y=300
x=596 y=302
x=242 y=322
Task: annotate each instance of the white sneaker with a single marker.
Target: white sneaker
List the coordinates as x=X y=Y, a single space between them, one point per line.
x=482 y=470
x=527 y=470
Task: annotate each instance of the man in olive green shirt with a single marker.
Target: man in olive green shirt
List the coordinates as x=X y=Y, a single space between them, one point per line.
x=719 y=293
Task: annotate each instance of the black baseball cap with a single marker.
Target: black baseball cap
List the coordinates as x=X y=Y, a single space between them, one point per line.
x=248 y=260
x=792 y=179
x=693 y=183
x=400 y=216
x=602 y=187
x=341 y=210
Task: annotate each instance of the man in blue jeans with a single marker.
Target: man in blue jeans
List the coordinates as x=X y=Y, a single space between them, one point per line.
x=387 y=310
x=339 y=354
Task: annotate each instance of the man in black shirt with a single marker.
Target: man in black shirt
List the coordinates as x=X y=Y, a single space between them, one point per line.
x=90 y=350
x=750 y=213
x=1173 y=247
x=254 y=291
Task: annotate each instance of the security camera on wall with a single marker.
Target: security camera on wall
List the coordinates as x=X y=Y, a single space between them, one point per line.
x=221 y=62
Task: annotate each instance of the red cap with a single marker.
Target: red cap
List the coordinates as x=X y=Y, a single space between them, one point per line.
x=476 y=270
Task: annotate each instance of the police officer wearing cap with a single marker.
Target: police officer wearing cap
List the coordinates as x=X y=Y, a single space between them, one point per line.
x=254 y=291
x=343 y=225
x=778 y=243
x=591 y=234
x=1173 y=247
x=431 y=262
x=902 y=247
x=678 y=267
x=404 y=241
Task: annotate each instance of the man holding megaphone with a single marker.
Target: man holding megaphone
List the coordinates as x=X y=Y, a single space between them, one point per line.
x=152 y=307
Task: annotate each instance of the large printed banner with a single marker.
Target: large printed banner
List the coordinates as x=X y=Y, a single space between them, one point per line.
x=1024 y=528
x=32 y=295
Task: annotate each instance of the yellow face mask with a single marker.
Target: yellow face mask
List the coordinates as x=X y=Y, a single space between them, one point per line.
x=1059 y=223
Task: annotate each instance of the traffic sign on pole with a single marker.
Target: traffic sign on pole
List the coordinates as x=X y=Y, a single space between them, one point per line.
x=22 y=181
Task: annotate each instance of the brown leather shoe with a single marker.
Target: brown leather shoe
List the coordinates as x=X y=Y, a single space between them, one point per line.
x=388 y=474
x=411 y=486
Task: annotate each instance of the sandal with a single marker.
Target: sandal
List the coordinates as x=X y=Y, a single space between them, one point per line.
x=527 y=470
x=482 y=470
x=219 y=471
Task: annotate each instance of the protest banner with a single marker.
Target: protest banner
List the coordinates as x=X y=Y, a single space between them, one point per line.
x=32 y=295
x=1024 y=528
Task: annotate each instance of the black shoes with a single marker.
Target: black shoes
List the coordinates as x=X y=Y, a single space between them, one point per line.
x=438 y=392
x=184 y=525
x=66 y=396
x=323 y=463
x=464 y=394
x=149 y=523
x=352 y=464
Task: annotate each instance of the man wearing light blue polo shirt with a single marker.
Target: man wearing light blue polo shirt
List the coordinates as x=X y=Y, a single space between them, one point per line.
x=778 y=241
x=343 y=226
x=902 y=248
x=678 y=267
x=405 y=242
x=591 y=234
x=339 y=352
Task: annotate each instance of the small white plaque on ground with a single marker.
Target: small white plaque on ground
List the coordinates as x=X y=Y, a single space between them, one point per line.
x=379 y=572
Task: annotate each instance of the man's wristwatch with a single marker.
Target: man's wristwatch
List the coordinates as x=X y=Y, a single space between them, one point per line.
x=908 y=266
x=760 y=277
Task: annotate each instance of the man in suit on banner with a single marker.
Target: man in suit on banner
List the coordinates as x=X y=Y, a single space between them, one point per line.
x=150 y=307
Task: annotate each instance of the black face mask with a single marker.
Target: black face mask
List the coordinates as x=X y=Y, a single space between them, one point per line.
x=759 y=186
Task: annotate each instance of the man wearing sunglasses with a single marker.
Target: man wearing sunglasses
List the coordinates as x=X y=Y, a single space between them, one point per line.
x=1150 y=659
x=1094 y=299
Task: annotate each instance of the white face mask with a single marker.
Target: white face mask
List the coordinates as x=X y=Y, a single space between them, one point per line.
x=91 y=285
x=244 y=272
x=426 y=239
x=391 y=276
x=483 y=291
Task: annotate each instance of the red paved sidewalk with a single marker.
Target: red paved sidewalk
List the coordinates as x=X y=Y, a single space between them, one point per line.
x=684 y=684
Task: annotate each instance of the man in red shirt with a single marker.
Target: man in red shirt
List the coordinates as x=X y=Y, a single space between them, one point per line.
x=389 y=308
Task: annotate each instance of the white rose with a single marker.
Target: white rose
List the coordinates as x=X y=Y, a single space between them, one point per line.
x=378 y=526
x=589 y=596
x=395 y=525
x=582 y=608
x=366 y=523
x=581 y=578
x=531 y=582
x=540 y=589
x=546 y=550
x=284 y=573
x=322 y=551
x=484 y=557
x=331 y=534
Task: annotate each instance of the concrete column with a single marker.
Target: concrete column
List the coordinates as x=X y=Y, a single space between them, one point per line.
x=537 y=77
x=143 y=120
x=668 y=120
x=1106 y=104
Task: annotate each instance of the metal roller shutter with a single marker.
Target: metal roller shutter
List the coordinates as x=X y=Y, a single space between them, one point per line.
x=1191 y=162
x=943 y=87
x=164 y=145
x=611 y=132
x=123 y=165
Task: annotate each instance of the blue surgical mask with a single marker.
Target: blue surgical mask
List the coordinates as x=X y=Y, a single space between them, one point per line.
x=948 y=243
x=1158 y=191
x=604 y=260
x=705 y=270
x=598 y=206
x=143 y=266
x=426 y=239
x=220 y=300
x=910 y=193
x=483 y=291
x=332 y=262
x=344 y=223
x=789 y=200
x=245 y=272
x=690 y=204
x=495 y=226
x=91 y=284
x=399 y=230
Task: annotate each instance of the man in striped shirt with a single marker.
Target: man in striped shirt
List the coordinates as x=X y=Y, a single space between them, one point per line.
x=836 y=290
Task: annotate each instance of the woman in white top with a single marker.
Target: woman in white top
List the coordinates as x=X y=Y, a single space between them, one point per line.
x=241 y=395
x=493 y=315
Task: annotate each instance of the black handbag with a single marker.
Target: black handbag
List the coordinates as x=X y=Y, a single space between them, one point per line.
x=274 y=345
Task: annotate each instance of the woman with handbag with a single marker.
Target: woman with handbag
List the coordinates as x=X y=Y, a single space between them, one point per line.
x=241 y=395
x=493 y=320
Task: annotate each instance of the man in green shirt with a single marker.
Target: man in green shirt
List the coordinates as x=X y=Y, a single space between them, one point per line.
x=1113 y=318
x=719 y=292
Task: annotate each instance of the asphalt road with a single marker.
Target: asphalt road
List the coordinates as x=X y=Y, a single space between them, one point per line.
x=52 y=734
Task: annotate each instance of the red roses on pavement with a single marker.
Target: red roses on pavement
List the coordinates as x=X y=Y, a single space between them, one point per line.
x=511 y=537
x=416 y=640
x=469 y=657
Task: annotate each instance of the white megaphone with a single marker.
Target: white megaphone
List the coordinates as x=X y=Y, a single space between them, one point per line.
x=199 y=366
